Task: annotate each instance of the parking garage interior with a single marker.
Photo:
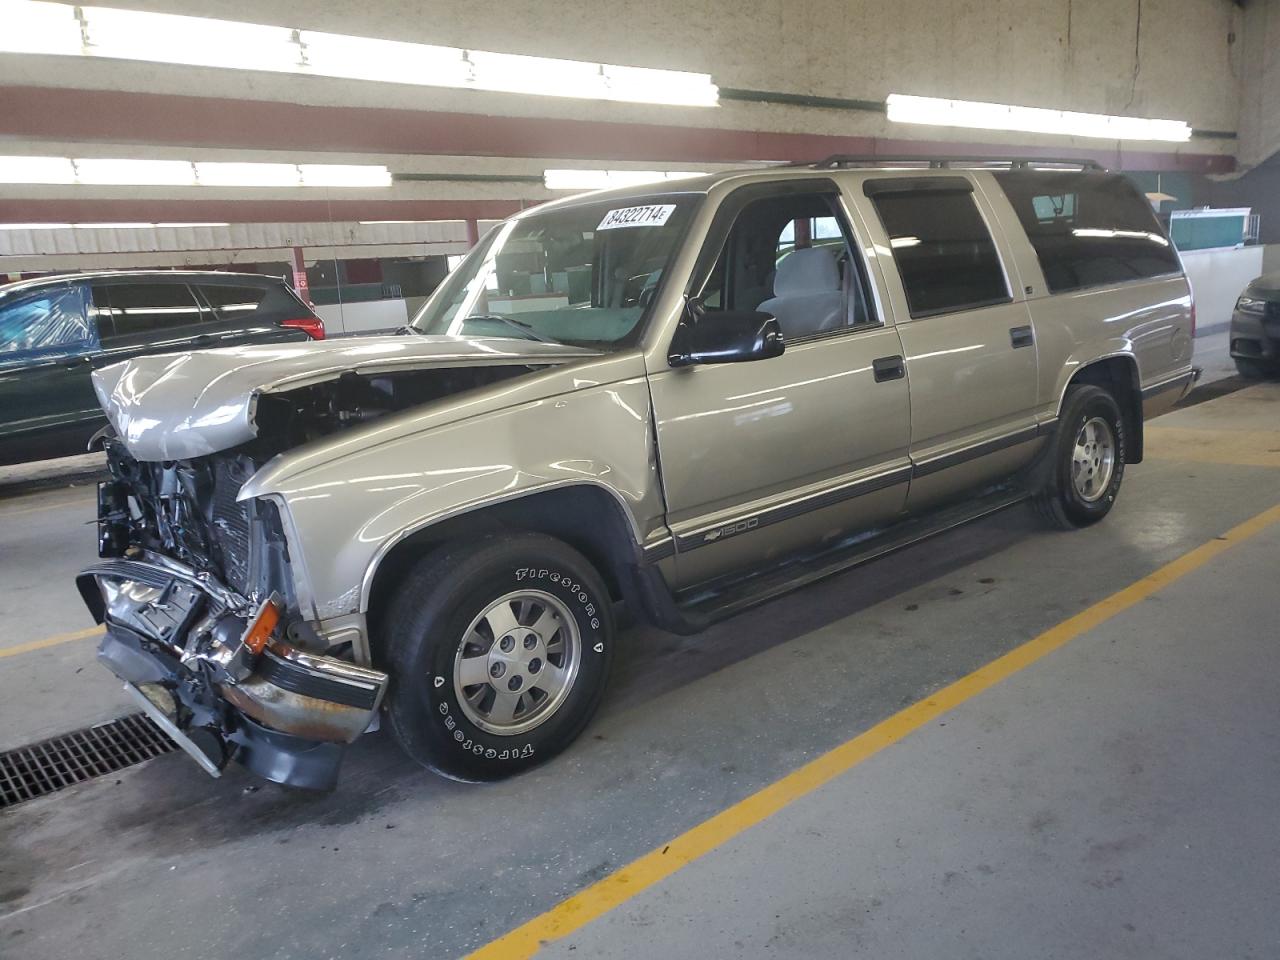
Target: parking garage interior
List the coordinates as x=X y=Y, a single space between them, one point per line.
x=1000 y=741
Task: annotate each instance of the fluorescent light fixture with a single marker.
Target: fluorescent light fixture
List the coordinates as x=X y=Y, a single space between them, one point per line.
x=39 y=28
x=344 y=175
x=104 y=226
x=390 y=61
x=134 y=173
x=1000 y=116
x=33 y=26
x=198 y=41
x=37 y=170
x=899 y=242
x=188 y=173
x=606 y=179
x=220 y=174
x=142 y=226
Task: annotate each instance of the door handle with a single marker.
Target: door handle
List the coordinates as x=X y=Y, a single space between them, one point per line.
x=76 y=362
x=1021 y=337
x=888 y=368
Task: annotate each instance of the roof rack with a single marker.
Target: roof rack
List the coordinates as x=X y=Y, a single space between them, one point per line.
x=840 y=161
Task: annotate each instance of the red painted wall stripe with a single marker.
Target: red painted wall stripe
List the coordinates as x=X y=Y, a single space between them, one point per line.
x=249 y=211
x=114 y=116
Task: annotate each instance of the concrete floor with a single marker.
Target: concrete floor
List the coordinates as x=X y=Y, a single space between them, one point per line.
x=1113 y=799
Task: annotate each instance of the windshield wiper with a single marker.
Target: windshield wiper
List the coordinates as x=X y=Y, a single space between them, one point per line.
x=520 y=325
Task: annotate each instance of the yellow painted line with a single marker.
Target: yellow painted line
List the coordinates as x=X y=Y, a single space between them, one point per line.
x=49 y=642
x=604 y=895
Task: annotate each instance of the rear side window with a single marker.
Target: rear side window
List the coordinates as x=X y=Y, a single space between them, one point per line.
x=231 y=303
x=942 y=247
x=142 y=308
x=53 y=321
x=1088 y=229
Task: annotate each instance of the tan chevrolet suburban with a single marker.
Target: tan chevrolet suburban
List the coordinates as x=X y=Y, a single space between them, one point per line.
x=688 y=399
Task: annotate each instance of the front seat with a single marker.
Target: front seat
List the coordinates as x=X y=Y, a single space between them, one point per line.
x=807 y=296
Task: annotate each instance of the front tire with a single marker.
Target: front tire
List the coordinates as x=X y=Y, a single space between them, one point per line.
x=499 y=651
x=1079 y=477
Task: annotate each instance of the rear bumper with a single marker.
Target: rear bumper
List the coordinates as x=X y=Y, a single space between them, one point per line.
x=174 y=636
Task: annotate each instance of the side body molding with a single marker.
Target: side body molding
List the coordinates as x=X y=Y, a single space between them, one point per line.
x=348 y=499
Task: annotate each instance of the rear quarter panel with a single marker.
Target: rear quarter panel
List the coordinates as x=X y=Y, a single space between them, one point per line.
x=1149 y=321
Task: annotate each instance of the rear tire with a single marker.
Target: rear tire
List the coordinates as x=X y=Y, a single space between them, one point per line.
x=1078 y=478
x=499 y=650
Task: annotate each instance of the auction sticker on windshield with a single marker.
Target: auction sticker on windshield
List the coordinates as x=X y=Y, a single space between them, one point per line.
x=650 y=215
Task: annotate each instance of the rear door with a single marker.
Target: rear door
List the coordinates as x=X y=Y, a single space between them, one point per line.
x=151 y=316
x=966 y=334
x=48 y=343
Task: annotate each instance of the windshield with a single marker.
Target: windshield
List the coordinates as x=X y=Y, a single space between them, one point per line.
x=582 y=275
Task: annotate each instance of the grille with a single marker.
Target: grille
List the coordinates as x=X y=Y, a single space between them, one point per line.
x=53 y=765
x=231 y=527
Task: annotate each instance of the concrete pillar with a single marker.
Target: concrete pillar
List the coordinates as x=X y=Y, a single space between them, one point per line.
x=473 y=232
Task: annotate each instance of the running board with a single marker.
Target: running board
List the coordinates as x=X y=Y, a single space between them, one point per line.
x=700 y=608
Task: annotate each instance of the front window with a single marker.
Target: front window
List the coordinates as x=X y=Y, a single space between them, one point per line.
x=583 y=275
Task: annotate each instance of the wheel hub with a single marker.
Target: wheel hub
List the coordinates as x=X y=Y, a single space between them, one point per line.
x=517 y=662
x=1093 y=459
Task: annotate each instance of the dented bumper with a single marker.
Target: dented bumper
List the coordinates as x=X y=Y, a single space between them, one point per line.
x=176 y=636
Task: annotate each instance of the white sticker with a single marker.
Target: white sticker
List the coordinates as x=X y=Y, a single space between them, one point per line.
x=652 y=215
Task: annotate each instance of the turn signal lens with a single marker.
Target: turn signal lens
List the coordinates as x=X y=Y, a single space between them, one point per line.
x=263 y=625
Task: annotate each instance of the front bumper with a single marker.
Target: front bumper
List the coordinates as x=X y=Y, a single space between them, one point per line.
x=175 y=636
x=1255 y=336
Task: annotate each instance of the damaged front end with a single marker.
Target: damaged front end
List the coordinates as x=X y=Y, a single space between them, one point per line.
x=200 y=624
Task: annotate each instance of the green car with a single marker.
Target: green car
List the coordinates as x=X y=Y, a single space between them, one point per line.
x=55 y=331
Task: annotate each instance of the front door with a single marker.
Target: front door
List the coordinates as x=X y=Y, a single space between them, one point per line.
x=48 y=344
x=764 y=458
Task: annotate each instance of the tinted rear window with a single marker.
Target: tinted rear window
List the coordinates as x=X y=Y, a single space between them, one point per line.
x=943 y=250
x=1088 y=229
x=231 y=302
x=139 y=308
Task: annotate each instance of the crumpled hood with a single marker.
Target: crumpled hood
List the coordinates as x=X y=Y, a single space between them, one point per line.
x=181 y=405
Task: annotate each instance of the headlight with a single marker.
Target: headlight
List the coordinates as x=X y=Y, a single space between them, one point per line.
x=1251 y=305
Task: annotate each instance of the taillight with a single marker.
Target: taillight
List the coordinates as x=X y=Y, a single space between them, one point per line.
x=1193 y=318
x=313 y=327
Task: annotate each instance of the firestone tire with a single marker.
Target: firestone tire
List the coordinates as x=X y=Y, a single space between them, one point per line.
x=442 y=621
x=1079 y=476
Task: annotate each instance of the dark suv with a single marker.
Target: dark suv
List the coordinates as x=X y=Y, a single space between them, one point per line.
x=55 y=330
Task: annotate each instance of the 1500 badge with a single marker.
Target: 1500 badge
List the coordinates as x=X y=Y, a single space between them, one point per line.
x=731 y=530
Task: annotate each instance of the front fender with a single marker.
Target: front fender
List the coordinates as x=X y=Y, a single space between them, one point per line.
x=347 y=513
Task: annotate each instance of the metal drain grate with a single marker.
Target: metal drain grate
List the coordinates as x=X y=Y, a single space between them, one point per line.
x=53 y=765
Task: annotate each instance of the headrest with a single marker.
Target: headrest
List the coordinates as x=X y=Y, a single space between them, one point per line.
x=806 y=271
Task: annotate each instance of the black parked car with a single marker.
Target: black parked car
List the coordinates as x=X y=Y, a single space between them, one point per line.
x=55 y=330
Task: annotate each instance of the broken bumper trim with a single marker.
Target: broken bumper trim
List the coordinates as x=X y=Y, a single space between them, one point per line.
x=171 y=627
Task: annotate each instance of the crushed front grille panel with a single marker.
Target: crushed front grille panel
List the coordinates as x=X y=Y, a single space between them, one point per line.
x=52 y=765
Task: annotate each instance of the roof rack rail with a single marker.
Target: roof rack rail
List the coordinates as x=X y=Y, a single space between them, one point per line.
x=841 y=160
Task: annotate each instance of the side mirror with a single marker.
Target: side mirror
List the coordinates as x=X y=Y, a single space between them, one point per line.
x=731 y=336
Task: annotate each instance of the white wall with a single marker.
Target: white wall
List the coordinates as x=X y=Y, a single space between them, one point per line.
x=1217 y=278
x=360 y=317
